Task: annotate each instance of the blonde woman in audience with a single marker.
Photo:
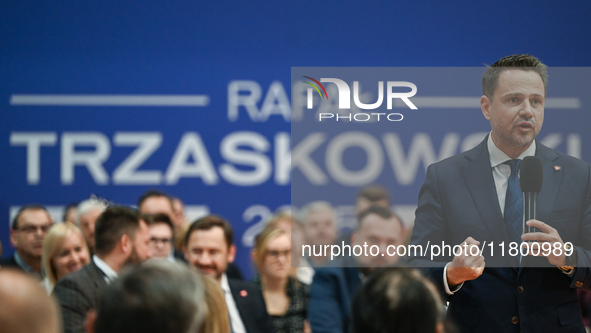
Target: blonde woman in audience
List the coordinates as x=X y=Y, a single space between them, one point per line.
x=64 y=252
x=301 y=268
x=286 y=298
x=217 y=319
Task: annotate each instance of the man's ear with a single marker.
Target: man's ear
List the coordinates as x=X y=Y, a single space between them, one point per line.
x=231 y=253
x=353 y=237
x=90 y=320
x=126 y=244
x=485 y=106
x=13 y=238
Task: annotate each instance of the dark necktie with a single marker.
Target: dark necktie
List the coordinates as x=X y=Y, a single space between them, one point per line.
x=514 y=204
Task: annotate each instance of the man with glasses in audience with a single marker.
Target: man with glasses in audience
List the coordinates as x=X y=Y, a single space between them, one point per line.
x=161 y=236
x=29 y=228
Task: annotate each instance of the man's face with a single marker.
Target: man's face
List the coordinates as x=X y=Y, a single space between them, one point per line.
x=87 y=222
x=32 y=227
x=363 y=203
x=157 y=205
x=208 y=251
x=141 y=245
x=375 y=230
x=160 y=240
x=516 y=113
x=319 y=227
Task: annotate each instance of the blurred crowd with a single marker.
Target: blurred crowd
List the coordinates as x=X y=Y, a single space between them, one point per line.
x=110 y=268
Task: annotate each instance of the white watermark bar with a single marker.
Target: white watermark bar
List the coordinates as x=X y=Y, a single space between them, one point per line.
x=111 y=100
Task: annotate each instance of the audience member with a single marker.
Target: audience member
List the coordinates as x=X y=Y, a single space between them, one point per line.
x=333 y=287
x=398 y=300
x=29 y=227
x=25 y=307
x=367 y=196
x=70 y=212
x=156 y=202
x=121 y=238
x=178 y=210
x=286 y=298
x=320 y=228
x=64 y=252
x=218 y=319
x=301 y=268
x=154 y=297
x=209 y=246
x=161 y=236
x=86 y=215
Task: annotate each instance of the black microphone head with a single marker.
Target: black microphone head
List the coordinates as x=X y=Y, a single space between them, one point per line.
x=531 y=174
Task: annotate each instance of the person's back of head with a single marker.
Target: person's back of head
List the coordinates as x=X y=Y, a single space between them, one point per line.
x=25 y=305
x=114 y=222
x=157 y=296
x=397 y=300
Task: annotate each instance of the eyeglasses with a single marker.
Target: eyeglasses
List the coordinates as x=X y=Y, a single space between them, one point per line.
x=277 y=254
x=31 y=229
x=164 y=241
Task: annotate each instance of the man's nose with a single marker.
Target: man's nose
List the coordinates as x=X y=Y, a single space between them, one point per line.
x=527 y=110
x=205 y=259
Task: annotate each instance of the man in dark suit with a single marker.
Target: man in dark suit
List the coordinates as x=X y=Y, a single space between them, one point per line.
x=333 y=286
x=120 y=238
x=469 y=198
x=209 y=248
x=29 y=227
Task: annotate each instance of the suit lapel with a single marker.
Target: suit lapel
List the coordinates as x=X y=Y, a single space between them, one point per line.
x=241 y=305
x=480 y=182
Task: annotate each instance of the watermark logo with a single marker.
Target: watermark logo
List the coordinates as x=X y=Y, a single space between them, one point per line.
x=310 y=91
x=344 y=91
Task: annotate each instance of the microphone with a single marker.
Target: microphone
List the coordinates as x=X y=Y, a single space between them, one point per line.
x=531 y=179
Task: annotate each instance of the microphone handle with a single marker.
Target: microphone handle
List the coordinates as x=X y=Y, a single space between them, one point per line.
x=530 y=210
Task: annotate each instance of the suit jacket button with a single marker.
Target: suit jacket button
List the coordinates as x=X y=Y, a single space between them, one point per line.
x=520 y=289
x=578 y=284
x=514 y=320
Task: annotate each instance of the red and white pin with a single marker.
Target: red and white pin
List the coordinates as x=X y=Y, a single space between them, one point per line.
x=243 y=293
x=557 y=167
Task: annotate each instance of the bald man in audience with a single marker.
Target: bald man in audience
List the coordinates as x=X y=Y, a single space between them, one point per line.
x=86 y=214
x=25 y=306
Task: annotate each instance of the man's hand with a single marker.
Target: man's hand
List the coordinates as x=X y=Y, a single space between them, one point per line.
x=548 y=235
x=465 y=266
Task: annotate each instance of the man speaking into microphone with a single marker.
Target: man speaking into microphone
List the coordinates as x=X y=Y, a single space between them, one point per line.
x=475 y=198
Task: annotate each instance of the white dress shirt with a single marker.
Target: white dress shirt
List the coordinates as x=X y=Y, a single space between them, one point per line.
x=110 y=273
x=235 y=320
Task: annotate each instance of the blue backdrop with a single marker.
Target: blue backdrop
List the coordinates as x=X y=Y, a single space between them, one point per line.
x=90 y=93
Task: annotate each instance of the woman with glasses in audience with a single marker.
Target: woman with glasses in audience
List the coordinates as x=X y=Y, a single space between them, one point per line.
x=286 y=298
x=64 y=252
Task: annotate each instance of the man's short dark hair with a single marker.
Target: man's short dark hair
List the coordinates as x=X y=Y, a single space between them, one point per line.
x=396 y=300
x=113 y=223
x=156 y=296
x=208 y=222
x=526 y=62
x=383 y=212
x=374 y=193
x=152 y=219
x=152 y=193
x=24 y=208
